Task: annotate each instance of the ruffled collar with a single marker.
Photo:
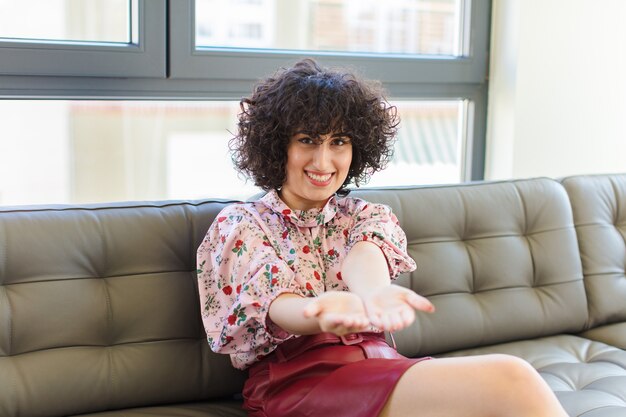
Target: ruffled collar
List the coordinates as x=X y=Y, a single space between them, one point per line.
x=302 y=218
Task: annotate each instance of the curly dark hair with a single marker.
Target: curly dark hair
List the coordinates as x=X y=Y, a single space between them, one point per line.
x=310 y=98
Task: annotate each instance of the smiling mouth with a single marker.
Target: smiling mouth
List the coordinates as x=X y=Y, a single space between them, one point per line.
x=319 y=178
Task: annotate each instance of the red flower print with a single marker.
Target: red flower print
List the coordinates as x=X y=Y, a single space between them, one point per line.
x=317 y=275
x=221 y=219
x=228 y=339
x=306 y=249
x=339 y=276
x=223 y=238
x=331 y=252
x=274 y=269
x=285 y=234
x=364 y=238
x=274 y=281
x=345 y=232
x=232 y=319
x=266 y=243
x=228 y=290
x=256 y=304
x=240 y=247
x=286 y=212
x=364 y=207
x=309 y=287
x=238 y=289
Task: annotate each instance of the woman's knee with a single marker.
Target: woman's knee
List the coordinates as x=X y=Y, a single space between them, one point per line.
x=511 y=365
x=511 y=370
x=522 y=385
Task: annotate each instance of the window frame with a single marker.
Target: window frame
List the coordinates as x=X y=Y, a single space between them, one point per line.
x=142 y=57
x=165 y=65
x=187 y=62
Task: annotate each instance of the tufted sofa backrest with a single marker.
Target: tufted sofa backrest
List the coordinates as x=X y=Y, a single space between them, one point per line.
x=500 y=262
x=99 y=309
x=599 y=207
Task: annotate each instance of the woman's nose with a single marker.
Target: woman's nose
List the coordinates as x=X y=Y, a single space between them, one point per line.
x=322 y=157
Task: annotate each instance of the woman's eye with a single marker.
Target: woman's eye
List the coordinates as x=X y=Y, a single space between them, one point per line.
x=341 y=141
x=306 y=140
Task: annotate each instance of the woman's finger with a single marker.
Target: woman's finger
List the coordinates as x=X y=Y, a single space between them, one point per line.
x=386 y=322
x=396 y=320
x=419 y=303
x=408 y=316
x=376 y=319
x=347 y=322
x=364 y=322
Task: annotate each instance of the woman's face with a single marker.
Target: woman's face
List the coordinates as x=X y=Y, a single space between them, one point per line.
x=317 y=166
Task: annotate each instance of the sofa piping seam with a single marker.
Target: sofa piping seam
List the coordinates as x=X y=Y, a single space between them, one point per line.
x=112 y=345
x=100 y=277
x=513 y=287
x=556 y=229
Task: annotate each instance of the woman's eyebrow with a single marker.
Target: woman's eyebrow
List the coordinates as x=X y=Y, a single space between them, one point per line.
x=314 y=135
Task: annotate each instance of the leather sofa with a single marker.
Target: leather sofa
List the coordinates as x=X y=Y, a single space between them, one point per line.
x=99 y=313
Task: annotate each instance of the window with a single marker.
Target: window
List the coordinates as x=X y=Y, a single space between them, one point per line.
x=105 y=38
x=118 y=118
x=97 y=151
x=370 y=26
x=94 y=21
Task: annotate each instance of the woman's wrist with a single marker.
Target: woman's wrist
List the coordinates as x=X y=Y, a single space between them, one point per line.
x=287 y=312
x=365 y=270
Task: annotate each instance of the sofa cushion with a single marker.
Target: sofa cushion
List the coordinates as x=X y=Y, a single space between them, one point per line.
x=218 y=408
x=99 y=309
x=588 y=377
x=611 y=334
x=599 y=207
x=499 y=261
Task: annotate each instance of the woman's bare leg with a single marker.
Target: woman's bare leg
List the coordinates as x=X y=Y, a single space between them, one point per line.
x=481 y=386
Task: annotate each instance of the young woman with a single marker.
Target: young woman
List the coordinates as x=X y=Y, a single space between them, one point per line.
x=296 y=287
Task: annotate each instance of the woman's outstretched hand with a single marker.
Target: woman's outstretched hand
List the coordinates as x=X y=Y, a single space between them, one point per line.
x=338 y=312
x=392 y=307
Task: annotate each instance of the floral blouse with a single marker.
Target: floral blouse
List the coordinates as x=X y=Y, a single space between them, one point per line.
x=254 y=252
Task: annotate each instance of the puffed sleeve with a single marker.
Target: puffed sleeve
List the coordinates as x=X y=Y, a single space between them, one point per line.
x=377 y=224
x=239 y=275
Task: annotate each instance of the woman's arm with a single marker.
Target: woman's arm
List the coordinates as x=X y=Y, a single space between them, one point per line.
x=336 y=312
x=365 y=269
x=388 y=307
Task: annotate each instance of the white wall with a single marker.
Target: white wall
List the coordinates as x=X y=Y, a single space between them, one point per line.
x=557 y=98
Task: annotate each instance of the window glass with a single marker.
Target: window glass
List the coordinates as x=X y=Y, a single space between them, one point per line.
x=97 y=151
x=370 y=26
x=429 y=145
x=66 y=20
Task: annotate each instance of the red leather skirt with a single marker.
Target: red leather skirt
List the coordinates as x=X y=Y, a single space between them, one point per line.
x=325 y=375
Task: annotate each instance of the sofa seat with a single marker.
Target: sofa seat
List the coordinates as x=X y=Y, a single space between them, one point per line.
x=611 y=334
x=224 y=408
x=588 y=377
